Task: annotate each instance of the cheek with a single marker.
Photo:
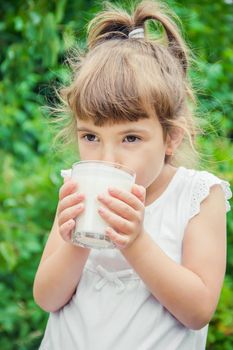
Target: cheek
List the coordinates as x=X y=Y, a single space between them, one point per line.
x=147 y=177
x=81 y=152
x=85 y=152
x=149 y=169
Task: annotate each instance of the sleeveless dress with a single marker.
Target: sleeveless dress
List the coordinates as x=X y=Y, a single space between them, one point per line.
x=112 y=308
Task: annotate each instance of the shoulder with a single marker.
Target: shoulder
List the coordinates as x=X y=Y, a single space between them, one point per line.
x=199 y=186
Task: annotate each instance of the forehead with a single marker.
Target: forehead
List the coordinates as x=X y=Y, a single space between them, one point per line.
x=145 y=124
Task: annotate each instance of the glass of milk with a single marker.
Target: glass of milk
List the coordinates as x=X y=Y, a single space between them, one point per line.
x=94 y=178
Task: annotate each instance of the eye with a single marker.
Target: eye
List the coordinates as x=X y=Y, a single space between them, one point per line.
x=131 y=138
x=90 y=137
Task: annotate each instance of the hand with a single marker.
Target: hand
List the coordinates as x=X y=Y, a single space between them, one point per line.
x=69 y=207
x=124 y=212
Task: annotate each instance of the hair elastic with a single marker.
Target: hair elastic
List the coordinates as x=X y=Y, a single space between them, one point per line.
x=137 y=33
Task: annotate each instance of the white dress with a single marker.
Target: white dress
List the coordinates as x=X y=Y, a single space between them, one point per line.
x=112 y=308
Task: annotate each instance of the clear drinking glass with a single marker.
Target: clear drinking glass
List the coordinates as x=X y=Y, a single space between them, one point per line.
x=94 y=178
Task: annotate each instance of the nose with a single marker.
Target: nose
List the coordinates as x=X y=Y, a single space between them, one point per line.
x=109 y=154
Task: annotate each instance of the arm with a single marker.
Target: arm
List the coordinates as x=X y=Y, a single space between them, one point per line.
x=62 y=263
x=189 y=291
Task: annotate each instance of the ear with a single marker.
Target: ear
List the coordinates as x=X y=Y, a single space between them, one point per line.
x=174 y=138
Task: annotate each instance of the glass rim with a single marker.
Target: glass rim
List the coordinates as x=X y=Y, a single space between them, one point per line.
x=111 y=164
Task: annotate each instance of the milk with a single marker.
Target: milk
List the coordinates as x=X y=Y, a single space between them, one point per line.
x=94 y=178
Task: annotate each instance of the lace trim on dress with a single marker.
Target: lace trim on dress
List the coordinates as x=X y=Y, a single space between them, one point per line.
x=66 y=172
x=201 y=191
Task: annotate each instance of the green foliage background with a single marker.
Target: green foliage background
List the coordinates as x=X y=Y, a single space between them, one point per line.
x=34 y=36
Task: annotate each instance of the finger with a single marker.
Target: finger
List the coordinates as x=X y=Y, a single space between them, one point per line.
x=70 y=213
x=118 y=207
x=139 y=192
x=119 y=240
x=70 y=200
x=118 y=223
x=66 y=230
x=67 y=188
x=126 y=197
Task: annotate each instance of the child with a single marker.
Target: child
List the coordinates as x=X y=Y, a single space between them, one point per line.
x=130 y=101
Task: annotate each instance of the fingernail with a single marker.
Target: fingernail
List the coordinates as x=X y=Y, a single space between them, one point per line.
x=112 y=189
x=108 y=230
x=142 y=190
x=100 y=196
x=79 y=195
x=101 y=210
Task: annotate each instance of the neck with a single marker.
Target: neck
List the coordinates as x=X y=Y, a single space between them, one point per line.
x=155 y=190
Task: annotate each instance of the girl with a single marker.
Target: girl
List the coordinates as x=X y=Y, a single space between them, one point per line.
x=130 y=102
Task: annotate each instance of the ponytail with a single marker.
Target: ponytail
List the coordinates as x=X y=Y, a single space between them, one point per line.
x=147 y=10
x=108 y=24
x=112 y=23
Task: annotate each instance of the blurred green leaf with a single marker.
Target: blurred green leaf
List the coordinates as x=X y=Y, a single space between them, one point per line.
x=34 y=36
x=8 y=256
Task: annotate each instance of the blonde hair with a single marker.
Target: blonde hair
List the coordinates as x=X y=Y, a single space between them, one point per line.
x=118 y=78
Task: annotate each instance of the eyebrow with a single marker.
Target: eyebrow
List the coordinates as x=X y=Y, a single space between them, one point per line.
x=127 y=131
x=133 y=131
x=85 y=129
